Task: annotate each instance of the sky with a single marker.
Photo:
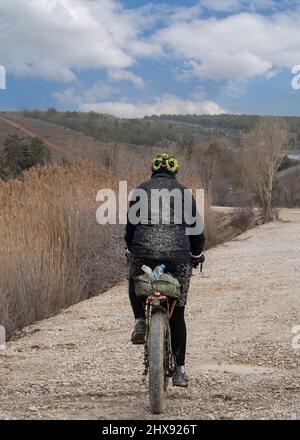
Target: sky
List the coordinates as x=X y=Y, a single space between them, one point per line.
x=132 y=58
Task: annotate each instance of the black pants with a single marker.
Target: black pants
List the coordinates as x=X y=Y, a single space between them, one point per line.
x=177 y=326
x=177 y=321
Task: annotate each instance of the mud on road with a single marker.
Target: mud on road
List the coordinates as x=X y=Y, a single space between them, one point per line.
x=242 y=365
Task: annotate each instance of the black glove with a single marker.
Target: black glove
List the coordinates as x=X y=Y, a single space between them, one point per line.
x=198 y=260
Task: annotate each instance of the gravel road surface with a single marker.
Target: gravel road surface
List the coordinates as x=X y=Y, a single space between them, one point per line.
x=241 y=312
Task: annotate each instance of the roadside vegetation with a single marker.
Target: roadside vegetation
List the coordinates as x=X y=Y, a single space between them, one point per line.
x=52 y=252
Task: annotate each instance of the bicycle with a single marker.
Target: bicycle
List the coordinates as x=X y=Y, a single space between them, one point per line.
x=159 y=360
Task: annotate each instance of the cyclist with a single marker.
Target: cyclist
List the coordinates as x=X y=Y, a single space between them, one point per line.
x=152 y=243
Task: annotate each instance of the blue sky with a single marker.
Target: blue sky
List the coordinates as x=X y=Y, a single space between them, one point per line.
x=134 y=58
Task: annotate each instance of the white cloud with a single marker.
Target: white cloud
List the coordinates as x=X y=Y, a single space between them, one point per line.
x=237 y=66
x=52 y=38
x=143 y=48
x=236 y=47
x=125 y=75
x=166 y=104
x=68 y=96
x=234 y=89
x=78 y=96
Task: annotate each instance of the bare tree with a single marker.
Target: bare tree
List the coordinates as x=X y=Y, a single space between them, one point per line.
x=110 y=158
x=261 y=159
x=184 y=148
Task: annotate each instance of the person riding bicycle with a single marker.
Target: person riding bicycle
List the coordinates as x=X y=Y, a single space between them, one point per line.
x=160 y=242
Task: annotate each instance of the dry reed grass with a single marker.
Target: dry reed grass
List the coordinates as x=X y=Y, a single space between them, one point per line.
x=52 y=251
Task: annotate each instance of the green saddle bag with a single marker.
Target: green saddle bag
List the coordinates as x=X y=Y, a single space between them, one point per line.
x=166 y=285
x=143 y=285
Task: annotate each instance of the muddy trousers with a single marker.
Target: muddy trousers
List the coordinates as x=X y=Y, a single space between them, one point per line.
x=177 y=324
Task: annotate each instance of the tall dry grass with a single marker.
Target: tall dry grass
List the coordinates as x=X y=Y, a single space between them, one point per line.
x=52 y=251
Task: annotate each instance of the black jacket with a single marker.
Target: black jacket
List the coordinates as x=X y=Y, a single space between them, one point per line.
x=162 y=242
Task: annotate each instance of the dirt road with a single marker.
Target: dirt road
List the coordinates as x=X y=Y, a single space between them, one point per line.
x=32 y=133
x=241 y=311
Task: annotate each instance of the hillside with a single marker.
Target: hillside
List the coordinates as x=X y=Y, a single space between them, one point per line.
x=226 y=129
x=202 y=143
x=242 y=365
x=63 y=142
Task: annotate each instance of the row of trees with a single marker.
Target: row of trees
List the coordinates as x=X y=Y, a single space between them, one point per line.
x=110 y=129
x=18 y=155
x=155 y=129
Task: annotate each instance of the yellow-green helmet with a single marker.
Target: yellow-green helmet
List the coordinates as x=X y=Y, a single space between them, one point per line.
x=165 y=161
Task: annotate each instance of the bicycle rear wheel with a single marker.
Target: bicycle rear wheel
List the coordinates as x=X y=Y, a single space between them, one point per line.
x=157 y=337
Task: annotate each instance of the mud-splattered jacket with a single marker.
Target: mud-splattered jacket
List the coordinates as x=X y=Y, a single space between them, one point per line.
x=163 y=242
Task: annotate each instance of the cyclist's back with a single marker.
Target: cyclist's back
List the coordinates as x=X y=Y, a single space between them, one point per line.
x=159 y=241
